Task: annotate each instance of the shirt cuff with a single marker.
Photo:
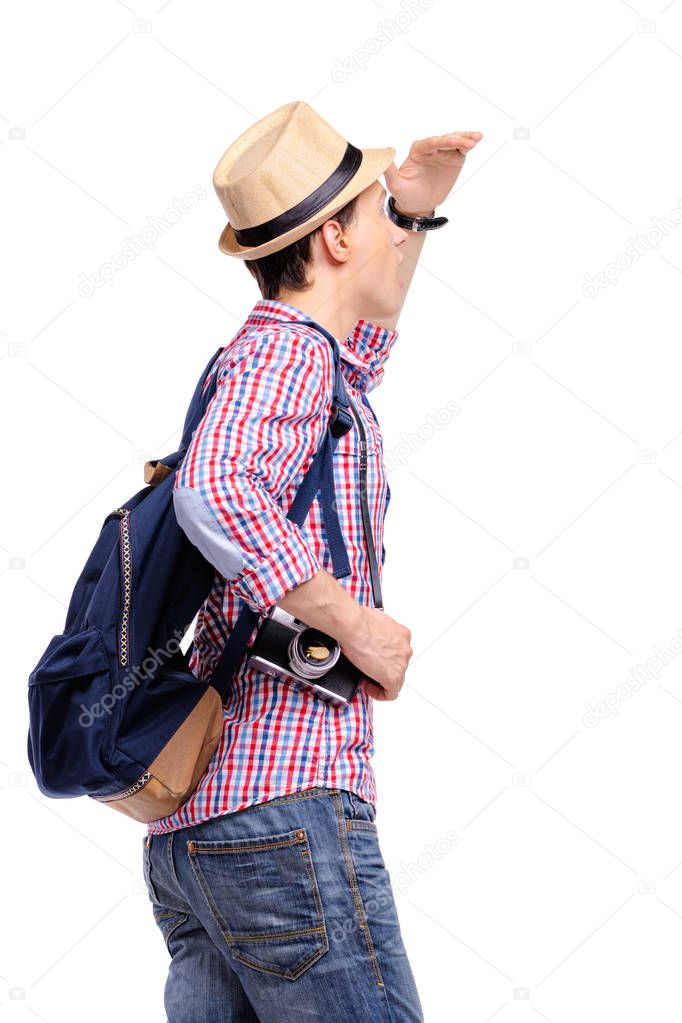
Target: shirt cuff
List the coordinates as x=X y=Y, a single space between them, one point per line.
x=371 y=343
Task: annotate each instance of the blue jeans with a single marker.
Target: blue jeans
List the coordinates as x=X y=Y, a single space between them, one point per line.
x=280 y=911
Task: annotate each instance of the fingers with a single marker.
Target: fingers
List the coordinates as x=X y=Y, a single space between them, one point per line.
x=462 y=141
x=453 y=140
x=373 y=690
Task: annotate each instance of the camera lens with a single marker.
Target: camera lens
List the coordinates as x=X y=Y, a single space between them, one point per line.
x=312 y=653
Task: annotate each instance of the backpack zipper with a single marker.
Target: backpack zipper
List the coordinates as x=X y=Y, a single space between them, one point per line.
x=127 y=573
x=143 y=780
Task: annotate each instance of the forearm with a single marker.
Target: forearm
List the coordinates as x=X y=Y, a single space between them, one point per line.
x=323 y=603
x=412 y=251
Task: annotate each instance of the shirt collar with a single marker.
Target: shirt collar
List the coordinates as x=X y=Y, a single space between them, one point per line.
x=364 y=351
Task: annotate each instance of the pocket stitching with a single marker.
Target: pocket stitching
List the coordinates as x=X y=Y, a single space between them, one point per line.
x=289 y=974
x=182 y=918
x=360 y=825
x=278 y=934
x=147 y=875
x=194 y=847
x=308 y=861
x=300 y=838
x=355 y=889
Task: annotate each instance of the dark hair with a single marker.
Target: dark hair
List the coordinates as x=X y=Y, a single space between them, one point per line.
x=287 y=269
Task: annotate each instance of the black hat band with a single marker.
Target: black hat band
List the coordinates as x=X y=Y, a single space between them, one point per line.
x=308 y=207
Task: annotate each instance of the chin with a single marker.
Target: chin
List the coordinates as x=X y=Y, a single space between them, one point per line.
x=385 y=306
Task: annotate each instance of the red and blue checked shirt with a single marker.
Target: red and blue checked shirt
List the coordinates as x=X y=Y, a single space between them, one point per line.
x=239 y=476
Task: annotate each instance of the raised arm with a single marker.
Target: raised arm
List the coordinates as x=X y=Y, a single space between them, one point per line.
x=421 y=184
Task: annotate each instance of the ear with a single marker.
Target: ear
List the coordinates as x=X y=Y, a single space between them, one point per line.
x=334 y=240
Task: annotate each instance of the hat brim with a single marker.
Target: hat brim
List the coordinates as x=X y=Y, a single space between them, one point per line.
x=374 y=163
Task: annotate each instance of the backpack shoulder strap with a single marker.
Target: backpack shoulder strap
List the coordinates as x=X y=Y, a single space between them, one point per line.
x=199 y=403
x=319 y=477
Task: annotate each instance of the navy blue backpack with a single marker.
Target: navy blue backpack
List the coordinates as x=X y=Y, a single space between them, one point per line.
x=115 y=713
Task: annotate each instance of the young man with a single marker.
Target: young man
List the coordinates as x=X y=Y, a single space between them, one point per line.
x=268 y=883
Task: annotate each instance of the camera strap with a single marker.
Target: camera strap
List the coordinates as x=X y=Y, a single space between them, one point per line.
x=364 y=506
x=319 y=478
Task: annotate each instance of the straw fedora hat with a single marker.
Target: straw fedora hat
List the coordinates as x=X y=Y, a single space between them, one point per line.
x=286 y=175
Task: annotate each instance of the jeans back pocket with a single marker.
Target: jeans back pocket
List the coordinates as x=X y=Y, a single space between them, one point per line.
x=264 y=896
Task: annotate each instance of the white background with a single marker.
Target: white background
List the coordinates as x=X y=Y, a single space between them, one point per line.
x=533 y=540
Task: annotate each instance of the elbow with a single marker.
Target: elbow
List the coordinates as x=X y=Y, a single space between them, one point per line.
x=199 y=523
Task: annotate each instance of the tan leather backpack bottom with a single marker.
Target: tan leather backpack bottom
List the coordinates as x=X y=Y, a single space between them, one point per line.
x=174 y=774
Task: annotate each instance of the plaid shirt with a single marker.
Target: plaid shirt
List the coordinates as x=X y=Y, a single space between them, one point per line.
x=241 y=472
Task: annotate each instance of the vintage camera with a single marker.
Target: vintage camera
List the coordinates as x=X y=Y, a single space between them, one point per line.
x=303 y=656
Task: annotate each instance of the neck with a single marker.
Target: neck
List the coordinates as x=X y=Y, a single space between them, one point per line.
x=327 y=309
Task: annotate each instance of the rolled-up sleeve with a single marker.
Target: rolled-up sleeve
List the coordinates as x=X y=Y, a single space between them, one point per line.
x=260 y=431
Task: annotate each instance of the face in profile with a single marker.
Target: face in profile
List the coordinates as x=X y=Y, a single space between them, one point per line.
x=376 y=254
x=363 y=258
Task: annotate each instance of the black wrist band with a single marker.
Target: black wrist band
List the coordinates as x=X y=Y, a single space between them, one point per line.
x=414 y=223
